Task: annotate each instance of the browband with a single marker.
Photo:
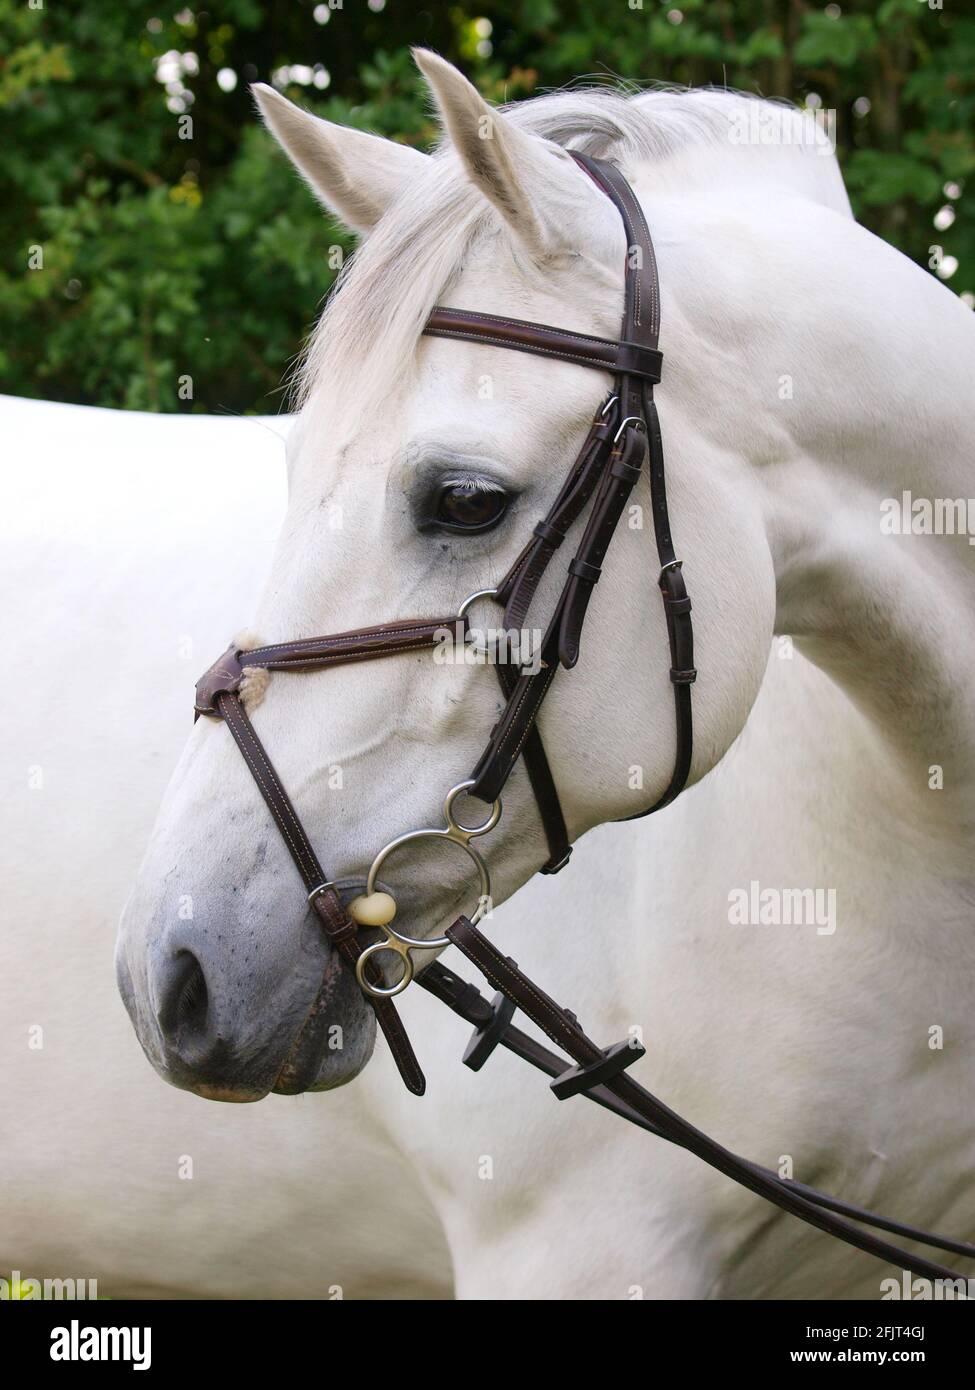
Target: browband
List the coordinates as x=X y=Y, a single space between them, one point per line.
x=605 y=354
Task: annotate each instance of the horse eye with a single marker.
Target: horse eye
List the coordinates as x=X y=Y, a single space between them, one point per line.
x=468 y=507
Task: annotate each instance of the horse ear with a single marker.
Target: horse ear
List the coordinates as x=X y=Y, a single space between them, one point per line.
x=354 y=174
x=535 y=185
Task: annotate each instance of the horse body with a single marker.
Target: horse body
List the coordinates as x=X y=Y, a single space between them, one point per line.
x=130 y=541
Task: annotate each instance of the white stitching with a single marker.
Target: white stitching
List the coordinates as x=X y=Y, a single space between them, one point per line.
x=578 y=359
x=482 y=953
x=503 y=322
x=628 y=196
x=308 y=658
x=301 y=643
x=248 y=741
x=548 y=682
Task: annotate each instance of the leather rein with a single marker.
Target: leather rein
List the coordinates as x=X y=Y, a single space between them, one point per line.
x=624 y=432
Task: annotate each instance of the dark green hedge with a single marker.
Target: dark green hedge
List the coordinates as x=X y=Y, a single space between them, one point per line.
x=165 y=257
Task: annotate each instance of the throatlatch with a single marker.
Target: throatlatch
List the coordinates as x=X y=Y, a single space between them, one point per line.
x=625 y=432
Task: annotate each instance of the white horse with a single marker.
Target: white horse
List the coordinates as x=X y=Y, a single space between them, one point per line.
x=798 y=395
x=122 y=572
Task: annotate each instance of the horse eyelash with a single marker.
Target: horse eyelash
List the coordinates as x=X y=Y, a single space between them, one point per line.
x=470 y=482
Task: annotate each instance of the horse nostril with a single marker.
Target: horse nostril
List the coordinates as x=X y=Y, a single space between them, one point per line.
x=183 y=1010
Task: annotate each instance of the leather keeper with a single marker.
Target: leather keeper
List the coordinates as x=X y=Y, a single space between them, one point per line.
x=338 y=925
x=635 y=360
x=683 y=677
x=555 y=866
x=548 y=533
x=626 y=472
x=582 y=569
x=677 y=605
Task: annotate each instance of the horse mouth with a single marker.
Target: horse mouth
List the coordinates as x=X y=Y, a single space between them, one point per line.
x=228 y=1095
x=306 y=1066
x=309 y=1050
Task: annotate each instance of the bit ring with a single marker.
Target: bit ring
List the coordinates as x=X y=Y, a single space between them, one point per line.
x=457 y=833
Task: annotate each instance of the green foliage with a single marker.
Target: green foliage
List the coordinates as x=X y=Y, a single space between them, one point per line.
x=825 y=40
x=166 y=257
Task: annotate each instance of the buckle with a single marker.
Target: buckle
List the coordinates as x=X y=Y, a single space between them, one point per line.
x=636 y=420
x=320 y=888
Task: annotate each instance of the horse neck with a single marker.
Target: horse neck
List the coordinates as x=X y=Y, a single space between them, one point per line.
x=881 y=361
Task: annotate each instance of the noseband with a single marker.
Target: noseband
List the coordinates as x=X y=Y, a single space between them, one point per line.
x=624 y=432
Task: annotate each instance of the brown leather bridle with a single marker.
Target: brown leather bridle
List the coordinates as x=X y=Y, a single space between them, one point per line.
x=623 y=432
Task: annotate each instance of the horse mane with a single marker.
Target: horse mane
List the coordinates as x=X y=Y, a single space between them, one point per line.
x=375 y=314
